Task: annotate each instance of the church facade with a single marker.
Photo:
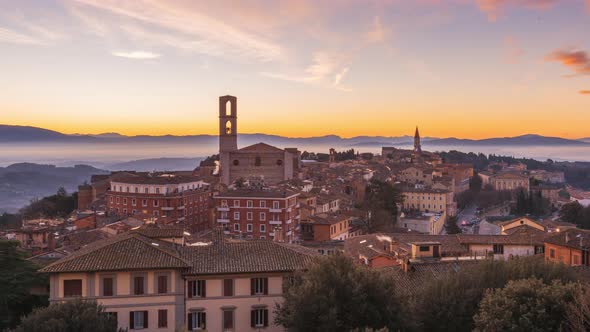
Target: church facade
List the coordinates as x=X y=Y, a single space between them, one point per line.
x=259 y=161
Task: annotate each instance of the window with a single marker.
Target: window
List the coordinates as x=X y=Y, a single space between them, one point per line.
x=236 y=203
x=228 y=287
x=279 y=162
x=236 y=216
x=224 y=203
x=262 y=216
x=237 y=227
x=197 y=288
x=162 y=284
x=552 y=253
x=162 y=318
x=157 y=190
x=138 y=320
x=424 y=248
x=72 y=287
x=249 y=204
x=259 y=318
x=236 y=162
x=249 y=228
x=249 y=216
x=124 y=201
x=107 y=286
x=259 y=286
x=118 y=200
x=262 y=228
x=257 y=161
x=133 y=201
x=146 y=190
x=262 y=204
x=197 y=321
x=144 y=202
x=156 y=213
x=228 y=320
x=498 y=249
x=275 y=205
x=138 y=285
x=156 y=202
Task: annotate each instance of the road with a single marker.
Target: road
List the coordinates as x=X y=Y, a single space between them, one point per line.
x=467 y=214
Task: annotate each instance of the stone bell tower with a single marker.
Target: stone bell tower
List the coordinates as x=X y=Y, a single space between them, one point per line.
x=228 y=124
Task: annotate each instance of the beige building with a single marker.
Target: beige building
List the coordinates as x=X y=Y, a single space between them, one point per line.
x=416 y=175
x=510 y=181
x=258 y=161
x=429 y=200
x=425 y=223
x=154 y=285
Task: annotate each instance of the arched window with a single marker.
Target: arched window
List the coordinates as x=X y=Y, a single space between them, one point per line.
x=257 y=161
x=228 y=108
x=236 y=162
x=228 y=129
x=279 y=162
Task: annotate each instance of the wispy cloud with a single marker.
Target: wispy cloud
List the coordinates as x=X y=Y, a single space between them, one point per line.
x=584 y=92
x=159 y=20
x=327 y=69
x=495 y=8
x=136 y=55
x=576 y=60
x=13 y=37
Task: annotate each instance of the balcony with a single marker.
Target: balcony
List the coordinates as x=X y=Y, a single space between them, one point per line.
x=275 y=222
x=223 y=208
x=289 y=221
x=180 y=218
x=223 y=221
x=181 y=207
x=167 y=208
x=275 y=210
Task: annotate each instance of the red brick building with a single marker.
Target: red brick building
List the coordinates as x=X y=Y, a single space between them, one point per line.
x=258 y=214
x=168 y=198
x=571 y=247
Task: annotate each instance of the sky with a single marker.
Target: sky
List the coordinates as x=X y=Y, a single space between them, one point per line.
x=299 y=68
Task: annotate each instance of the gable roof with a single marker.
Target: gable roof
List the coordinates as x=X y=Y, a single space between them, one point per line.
x=247 y=257
x=130 y=251
x=573 y=238
x=260 y=147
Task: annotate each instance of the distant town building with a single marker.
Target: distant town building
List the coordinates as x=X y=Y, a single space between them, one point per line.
x=417 y=143
x=260 y=160
x=258 y=214
x=168 y=198
x=429 y=200
x=570 y=247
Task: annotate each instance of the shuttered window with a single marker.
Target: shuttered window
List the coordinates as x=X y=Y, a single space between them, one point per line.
x=197 y=321
x=138 y=285
x=162 y=284
x=259 y=318
x=72 y=287
x=138 y=320
x=228 y=319
x=259 y=286
x=162 y=318
x=197 y=288
x=228 y=287
x=107 y=286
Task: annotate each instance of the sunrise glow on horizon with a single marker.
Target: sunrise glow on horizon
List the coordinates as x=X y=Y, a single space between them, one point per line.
x=299 y=68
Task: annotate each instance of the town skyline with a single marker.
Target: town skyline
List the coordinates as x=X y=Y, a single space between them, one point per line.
x=470 y=69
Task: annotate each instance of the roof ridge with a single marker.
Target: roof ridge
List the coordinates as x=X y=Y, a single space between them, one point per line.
x=149 y=242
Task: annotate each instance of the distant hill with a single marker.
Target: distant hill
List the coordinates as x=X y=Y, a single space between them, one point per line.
x=530 y=139
x=19 y=183
x=585 y=139
x=15 y=134
x=157 y=164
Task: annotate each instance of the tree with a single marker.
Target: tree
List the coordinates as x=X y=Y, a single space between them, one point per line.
x=380 y=205
x=525 y=305
x=70 y=316
x=336 y=294
x=451 y=225
x=449 y=302
x=17 y=277
x=571 y=212
x=578 y=311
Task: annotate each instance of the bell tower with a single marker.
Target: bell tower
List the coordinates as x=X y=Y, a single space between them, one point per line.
x=228 y=124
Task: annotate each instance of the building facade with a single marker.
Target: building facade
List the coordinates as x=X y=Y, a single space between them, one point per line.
x=258 y=214
x=169 y=199
x=153 y=285
x=429 y=200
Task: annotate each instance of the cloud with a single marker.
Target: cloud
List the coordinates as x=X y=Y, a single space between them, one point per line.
x=327 y=69
x=495 y=8
x=160 y=20
x=137 y=55
x=584 y=92
x=577 y=61
x=13 y=37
